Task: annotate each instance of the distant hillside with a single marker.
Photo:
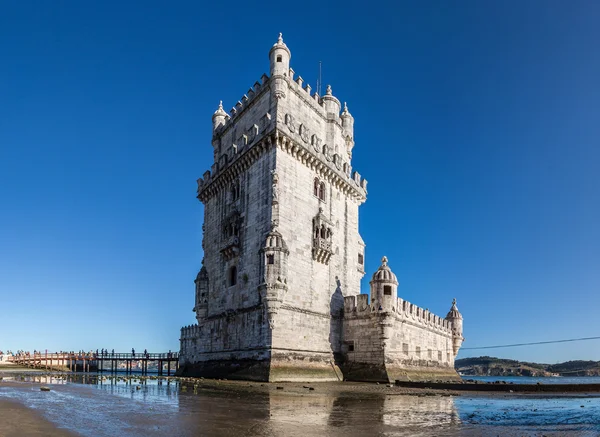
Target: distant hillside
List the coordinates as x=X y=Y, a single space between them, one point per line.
x=491 y=366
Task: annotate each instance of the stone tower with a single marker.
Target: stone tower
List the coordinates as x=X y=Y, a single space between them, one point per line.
x=281 y=241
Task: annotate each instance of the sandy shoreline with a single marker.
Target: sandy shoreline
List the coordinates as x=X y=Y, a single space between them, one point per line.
x=16 y=420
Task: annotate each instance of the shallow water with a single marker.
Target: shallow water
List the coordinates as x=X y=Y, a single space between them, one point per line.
x=95 y=407
x=536 y=379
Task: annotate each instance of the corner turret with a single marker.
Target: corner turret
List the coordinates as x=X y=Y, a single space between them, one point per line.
x=456 y=319
x=348 y=127
x=279 y=56
x=201 y=281
x=274 y=274
x=331 y=103
x=220 y=117
x=384 y=287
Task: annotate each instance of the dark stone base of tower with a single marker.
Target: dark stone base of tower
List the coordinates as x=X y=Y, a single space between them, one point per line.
x=280 y=367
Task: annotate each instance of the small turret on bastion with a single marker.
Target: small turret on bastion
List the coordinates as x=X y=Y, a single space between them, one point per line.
x=278 y=297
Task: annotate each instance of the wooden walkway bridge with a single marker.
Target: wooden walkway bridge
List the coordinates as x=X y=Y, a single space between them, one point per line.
x=99 y=362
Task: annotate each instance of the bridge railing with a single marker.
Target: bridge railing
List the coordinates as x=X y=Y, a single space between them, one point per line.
x=31 y=356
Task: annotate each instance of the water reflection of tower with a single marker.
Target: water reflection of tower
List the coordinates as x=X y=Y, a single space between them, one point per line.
x=349 y=414
x=379 y=414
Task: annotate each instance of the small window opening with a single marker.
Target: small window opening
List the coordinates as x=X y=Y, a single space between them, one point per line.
x=351 y=347
x=361 y=259
x=405 y=348
x=232 y=275
x=323 y=232
x=322 y=191
x=387 y=290
x=235 y=191
x=316 y=187
x=279 y=58
x=440 y=356
x=418 y=351
x=270 y=259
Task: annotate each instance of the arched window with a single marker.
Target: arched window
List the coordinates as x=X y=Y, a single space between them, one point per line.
x=322 y=191
x=316 y=187
x=270 y=259
x=323 y=231
x=232 y=276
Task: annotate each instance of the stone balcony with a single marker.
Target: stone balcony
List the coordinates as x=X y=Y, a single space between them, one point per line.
x=231 y=248
x=322 y=249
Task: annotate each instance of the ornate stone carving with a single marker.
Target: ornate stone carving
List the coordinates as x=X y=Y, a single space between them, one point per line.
x=327 y=152
x=290 y=122
x=304 y=134
x=316 y=143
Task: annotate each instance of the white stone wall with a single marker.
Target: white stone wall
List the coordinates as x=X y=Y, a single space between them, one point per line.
x=399 y=335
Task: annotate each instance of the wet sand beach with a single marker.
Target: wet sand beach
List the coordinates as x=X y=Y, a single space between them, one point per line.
x=16 y=420
x=132 y=405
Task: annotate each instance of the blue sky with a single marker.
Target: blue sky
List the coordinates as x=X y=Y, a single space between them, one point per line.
x=477 y=126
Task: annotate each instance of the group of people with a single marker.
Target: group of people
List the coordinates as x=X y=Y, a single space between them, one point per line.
x=99 y=353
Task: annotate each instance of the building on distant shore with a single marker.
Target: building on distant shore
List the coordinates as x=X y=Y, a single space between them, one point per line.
x=278 y=295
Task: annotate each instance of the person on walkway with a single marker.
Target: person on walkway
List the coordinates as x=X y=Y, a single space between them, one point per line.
x=133 y=352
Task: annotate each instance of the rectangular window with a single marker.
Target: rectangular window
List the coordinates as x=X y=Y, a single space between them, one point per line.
x=387 y=290
x=448 y=356
x=361 y=259
x=270 y=259
x=418 y=351
x=430 y=354
x=440 y=356
x=405 y=348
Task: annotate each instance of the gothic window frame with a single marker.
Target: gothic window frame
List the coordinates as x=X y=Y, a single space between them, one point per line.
x=322 y=190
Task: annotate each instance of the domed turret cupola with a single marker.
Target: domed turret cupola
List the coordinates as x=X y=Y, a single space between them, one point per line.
x=280 y=56
x=273 y=273
x=455 y=317
x=220 y=117
x=201 y=281
x=280 y=68
x=348 y=126
x=331 y=104
x=384 y=287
